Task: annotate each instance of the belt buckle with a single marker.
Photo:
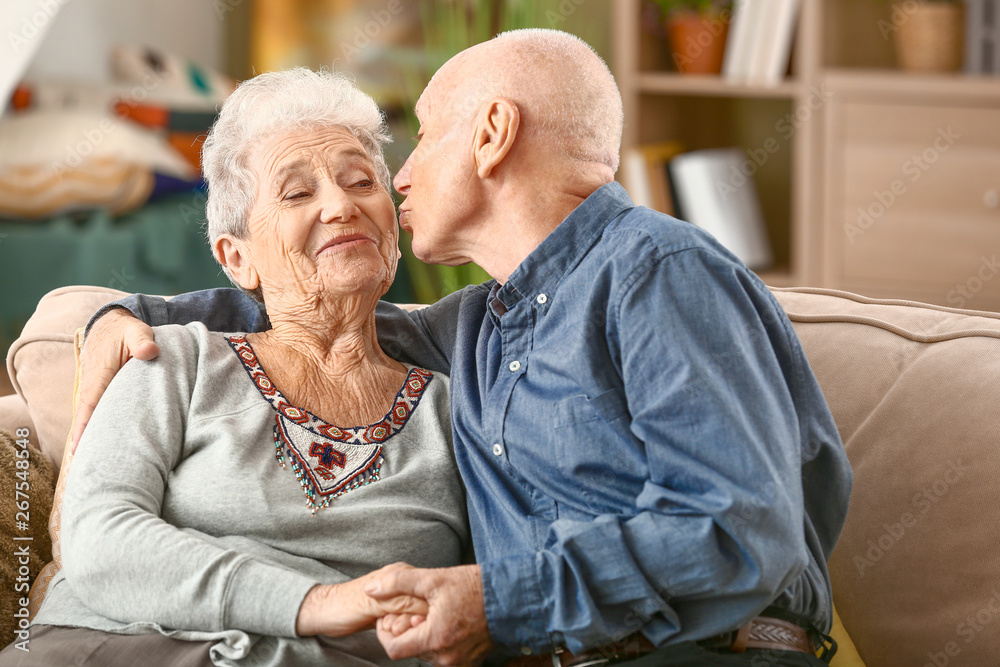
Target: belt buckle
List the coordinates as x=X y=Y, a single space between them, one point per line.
x=557 y=660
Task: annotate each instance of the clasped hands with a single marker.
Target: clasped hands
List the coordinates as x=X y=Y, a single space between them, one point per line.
x=437 y=615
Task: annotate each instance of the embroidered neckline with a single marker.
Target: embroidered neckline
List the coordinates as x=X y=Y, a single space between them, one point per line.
x=329 y=460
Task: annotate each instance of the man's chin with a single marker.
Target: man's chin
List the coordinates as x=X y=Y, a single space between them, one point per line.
x=431 y=254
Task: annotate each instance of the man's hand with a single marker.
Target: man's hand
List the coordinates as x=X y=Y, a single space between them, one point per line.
x=114 y=339
x=455 y=630
x=342 y=609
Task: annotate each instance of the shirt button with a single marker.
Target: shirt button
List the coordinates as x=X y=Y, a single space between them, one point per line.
x=497 y=449
x=525 y=650
x=515 y=366
x=541 y=298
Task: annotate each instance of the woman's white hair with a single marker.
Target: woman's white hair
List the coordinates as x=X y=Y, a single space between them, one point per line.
x=271 y=105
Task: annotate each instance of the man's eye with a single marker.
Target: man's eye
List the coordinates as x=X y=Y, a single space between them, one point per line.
x=298 y=194
x=364 y=183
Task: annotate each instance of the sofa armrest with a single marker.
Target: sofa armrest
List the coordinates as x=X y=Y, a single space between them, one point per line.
x=14 y=416
x=42 y=365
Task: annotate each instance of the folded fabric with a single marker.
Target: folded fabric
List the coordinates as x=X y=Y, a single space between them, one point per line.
x=38 y=191
x=64 y=139
x=54 y=161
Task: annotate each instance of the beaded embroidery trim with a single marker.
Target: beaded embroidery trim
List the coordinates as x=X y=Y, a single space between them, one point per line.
x=328 y=461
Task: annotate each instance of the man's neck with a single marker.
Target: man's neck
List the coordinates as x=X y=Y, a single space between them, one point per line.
x=520 y=222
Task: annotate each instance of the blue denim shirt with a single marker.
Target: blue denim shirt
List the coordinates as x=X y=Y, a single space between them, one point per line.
x=643 y=442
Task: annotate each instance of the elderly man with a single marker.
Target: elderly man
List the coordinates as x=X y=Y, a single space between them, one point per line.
x=652 y=472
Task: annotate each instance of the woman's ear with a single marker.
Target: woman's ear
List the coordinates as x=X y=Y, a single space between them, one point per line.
x=496 y=131
x=230 y=253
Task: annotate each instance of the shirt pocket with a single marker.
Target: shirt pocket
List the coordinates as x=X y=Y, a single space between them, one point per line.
x=580 y=409
x=600 y=462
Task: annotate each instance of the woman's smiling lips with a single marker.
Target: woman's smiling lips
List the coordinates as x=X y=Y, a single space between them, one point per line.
x=344 y=242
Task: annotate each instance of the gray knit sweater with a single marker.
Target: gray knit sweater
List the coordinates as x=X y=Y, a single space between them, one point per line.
x=179 y=518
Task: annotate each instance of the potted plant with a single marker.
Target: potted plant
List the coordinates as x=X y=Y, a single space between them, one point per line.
x=928 y=34
x=697 y=30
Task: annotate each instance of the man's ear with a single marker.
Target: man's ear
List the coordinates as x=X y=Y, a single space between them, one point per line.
x=230 y=253
x=496 y=131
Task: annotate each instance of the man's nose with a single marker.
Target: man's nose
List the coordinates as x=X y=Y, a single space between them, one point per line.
x=402 y=180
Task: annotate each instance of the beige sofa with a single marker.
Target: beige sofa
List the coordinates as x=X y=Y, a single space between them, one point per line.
x=915 y=390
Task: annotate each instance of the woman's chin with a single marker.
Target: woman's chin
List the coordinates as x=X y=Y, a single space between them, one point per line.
x=354 y=279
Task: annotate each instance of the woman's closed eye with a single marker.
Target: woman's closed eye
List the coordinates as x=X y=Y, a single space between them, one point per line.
x=360 y=180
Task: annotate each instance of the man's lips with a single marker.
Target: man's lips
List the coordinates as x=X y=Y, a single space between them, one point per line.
x=346 y=241
x=404 y=219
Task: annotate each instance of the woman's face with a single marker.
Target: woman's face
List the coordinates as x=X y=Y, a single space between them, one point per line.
x=321 y=223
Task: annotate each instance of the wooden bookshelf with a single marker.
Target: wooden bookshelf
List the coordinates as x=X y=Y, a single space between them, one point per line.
x=856 y=119
x=671 y=83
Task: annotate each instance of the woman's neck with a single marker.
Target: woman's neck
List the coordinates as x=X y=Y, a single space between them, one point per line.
x=327 y=360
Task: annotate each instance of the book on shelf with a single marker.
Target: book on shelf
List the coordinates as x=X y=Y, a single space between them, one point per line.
x=982 y=37
x=645 y=175
x=760 y=42
x=713 y=192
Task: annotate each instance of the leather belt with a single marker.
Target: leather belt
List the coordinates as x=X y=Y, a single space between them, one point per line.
x=762 y=632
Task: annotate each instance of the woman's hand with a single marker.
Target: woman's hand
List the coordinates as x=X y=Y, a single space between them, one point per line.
x=336 y=610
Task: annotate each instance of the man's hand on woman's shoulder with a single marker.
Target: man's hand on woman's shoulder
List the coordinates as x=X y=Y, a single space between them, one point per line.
x=114 y=339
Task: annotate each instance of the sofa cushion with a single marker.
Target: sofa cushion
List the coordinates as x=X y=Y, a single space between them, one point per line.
x=41 y=361
x=914 y=392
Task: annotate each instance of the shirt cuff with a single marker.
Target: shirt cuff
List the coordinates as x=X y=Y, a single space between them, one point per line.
x=515 y=606
x=153 y=312
x=265 y=599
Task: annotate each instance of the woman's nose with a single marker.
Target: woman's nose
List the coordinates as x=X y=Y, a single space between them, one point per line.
x=337 y=206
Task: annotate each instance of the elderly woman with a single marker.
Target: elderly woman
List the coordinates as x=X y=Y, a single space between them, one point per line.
x=235 y=492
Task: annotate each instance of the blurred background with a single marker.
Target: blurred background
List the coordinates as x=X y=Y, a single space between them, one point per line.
x=852 y=144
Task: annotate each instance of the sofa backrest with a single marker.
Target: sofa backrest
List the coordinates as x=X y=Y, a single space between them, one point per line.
x=914 y=391
x=42 y=362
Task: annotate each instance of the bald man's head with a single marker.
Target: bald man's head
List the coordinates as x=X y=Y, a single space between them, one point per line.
x=567 y=97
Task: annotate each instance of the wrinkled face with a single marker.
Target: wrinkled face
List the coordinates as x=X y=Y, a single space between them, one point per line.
x=321 y=223
x=437 y=182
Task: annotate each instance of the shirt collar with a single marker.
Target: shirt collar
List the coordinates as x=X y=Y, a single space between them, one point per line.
x=560 y=252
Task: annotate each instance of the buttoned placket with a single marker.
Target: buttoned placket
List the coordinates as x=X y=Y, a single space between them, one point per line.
x=514 y=329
